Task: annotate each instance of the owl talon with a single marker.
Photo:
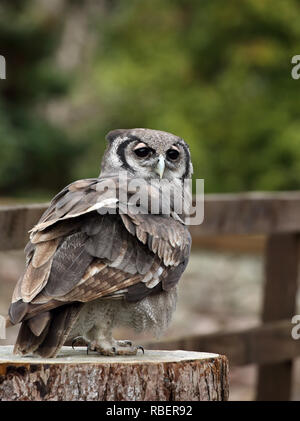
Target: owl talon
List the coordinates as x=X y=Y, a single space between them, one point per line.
x=141 y=348
x=75 y=340
x=127 y=348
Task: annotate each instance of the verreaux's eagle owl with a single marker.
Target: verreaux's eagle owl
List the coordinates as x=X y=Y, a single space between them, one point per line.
x=89 y=271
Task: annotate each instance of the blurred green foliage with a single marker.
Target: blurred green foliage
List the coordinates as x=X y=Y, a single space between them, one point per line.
x=34 y=155
x=216 y=73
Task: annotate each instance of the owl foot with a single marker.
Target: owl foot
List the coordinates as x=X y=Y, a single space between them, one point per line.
x=126 y=348
x=102 y=349
x=124 y=343
x=118 y=348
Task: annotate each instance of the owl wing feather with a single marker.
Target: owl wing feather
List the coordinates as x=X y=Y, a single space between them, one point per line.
x=77 y=254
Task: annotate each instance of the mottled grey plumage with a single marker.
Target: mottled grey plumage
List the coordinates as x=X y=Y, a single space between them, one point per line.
x=87 y=272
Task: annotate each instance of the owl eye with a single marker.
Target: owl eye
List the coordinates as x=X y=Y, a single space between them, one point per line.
x=172 y=154
x=142 y=152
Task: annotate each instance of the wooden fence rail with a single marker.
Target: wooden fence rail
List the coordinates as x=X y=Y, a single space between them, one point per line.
x=270 y=345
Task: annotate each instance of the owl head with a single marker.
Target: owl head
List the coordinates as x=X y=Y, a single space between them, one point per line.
x=147 y=154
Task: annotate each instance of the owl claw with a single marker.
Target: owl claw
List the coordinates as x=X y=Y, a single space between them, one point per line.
x=75 y=340
x=129 y=348
x=142 y=349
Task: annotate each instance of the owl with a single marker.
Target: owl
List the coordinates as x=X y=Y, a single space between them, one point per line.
x=92 y=267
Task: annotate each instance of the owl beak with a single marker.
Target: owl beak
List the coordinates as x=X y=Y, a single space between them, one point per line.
x=160 y=168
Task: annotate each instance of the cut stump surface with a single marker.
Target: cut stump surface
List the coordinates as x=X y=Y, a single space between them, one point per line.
x=73 y=375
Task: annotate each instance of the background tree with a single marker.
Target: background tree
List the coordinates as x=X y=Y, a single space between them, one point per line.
x=36 y=156
x=218 y=75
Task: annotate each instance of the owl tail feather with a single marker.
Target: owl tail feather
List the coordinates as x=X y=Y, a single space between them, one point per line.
x=46 y=335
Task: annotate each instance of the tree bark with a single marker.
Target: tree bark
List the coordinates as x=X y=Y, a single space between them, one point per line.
x=73 y=375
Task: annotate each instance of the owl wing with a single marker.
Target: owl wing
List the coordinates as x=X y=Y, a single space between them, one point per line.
x=77 y=254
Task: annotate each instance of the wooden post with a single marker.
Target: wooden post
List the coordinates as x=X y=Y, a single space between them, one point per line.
x=275 y=380
x=73 y=375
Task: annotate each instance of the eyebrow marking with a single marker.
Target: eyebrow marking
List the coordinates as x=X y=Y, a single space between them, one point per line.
x=121 y=152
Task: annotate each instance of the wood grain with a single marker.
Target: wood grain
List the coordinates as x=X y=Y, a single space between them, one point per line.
x=155 y=376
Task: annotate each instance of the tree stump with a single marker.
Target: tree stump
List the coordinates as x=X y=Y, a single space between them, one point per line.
x=73 y=375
